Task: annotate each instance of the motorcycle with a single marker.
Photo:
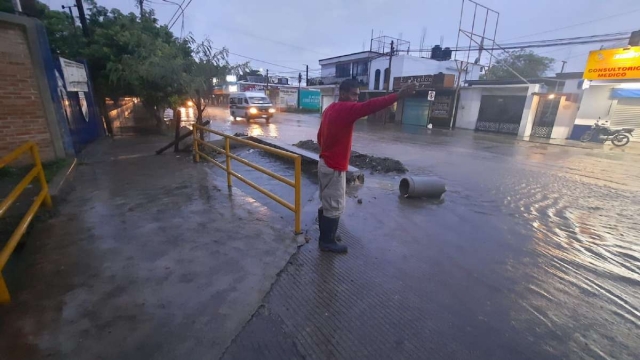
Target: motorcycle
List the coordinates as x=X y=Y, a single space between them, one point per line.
x=604 y=133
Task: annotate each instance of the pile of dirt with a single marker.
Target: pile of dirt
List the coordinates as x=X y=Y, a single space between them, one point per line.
x=308 y=145
x=362 y=161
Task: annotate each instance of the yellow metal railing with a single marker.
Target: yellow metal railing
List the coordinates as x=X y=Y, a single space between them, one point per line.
x=295 y=183
x=43 y=196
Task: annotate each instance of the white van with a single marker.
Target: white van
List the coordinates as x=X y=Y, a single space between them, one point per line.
x=250 y=105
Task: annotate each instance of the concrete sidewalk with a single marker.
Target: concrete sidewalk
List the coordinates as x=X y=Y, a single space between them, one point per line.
x=149 y=257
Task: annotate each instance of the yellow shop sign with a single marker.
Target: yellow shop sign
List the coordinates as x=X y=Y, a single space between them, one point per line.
x=609 y=64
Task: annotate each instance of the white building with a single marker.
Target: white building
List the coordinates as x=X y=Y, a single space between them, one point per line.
x=335 y=69
x=371 y=68
x=611 y=90
x=409 y=65
x=544 y=108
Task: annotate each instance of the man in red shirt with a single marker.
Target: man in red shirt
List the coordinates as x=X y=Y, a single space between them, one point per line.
x=334 y=138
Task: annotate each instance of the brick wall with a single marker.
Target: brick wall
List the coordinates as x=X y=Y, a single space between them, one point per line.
x=22 y=116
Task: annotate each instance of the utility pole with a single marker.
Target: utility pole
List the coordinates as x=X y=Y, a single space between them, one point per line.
x=564 y=62
x=306 y=79
x=299 y=82
x=83 y=18
x=386 y=112
x=390 y=57
x=267 y=86
x=73 y=20
x=17 y=7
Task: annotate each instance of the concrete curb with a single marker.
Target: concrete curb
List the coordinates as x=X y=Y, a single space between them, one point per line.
x=60 y=185
x=353 y=174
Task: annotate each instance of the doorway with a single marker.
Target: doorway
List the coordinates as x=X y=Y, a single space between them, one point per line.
x=500 y=113
x=416 y=112
x=545 y=117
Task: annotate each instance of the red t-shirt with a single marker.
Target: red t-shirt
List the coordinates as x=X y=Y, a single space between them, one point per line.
x=336 y=128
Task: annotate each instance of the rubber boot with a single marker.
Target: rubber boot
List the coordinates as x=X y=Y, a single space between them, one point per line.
x=327 y=241
x=337 y=236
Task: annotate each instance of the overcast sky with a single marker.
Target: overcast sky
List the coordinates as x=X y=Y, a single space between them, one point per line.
x=290 y=33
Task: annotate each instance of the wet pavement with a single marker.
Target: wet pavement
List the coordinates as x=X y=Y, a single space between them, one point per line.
x=150 y=257
x=532 y=254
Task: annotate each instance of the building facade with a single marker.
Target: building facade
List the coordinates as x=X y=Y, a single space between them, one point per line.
x=28 y=111
x=542 y=108
x=611 y=90
x=409 y=65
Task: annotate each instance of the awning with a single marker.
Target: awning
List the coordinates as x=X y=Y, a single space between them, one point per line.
x=617 y=93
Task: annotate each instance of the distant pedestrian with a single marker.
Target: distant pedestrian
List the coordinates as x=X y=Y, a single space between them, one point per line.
x=334 y=137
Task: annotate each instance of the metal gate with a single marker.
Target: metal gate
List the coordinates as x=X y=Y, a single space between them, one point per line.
x=626 y=114
x=545 y=117
x=415 y=112
x=500 y=113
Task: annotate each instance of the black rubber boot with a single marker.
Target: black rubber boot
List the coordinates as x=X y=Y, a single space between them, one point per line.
x=337 y=236
x=328 y=229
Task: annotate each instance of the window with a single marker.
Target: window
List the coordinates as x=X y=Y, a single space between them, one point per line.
x=376 y=80
x=246 y=101
x=387 y=75
x=232 y=101
x=361 y=68
x=259 y=100
x=343 y=70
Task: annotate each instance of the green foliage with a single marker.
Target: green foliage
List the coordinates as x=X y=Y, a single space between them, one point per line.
x=129 y=55
x=65 y=39
x=526 y=63
x=6 y=6
x=208 y=63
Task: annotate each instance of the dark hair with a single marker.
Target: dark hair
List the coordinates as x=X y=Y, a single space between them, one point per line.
x=348 y=85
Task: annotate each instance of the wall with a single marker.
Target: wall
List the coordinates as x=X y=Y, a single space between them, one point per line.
x=572 y=86
x=407 y=65
x=468 y=107
x=529 y=112
x=328 y=66
x=470 y=98
x=595 y=103
x=564 y=119
x=22 y=113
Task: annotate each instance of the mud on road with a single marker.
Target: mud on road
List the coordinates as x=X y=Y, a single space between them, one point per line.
x=362 y=161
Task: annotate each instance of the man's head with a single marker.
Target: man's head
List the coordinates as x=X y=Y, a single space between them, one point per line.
x=349 y=90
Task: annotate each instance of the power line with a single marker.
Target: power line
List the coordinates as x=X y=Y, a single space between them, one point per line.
x=156 y=3
x=546 y=43
x=575 y=25
x=275 y=41
x=176 y=12
x=181 y=14
x=262 y=61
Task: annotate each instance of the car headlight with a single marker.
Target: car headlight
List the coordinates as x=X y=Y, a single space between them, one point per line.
x=253 y=110
x=272 y=110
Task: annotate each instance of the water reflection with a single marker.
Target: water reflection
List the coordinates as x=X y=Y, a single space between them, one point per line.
x=187 y=116
x=255 y=130
x=588 y=260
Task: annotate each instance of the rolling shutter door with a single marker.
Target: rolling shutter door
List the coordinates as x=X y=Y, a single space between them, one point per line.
x=626 y=113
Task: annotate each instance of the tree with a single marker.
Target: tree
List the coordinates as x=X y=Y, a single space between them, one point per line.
x=208 y=63
x=526 y=63
x=65 y=39
x=6 y=6
x=131 y=56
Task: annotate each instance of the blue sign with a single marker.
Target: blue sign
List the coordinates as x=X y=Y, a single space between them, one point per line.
x=310 y=99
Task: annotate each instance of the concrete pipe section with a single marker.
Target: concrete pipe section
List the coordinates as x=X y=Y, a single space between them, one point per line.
x=417 y=186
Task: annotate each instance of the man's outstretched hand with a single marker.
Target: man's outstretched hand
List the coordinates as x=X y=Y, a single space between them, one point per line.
x=407 y=90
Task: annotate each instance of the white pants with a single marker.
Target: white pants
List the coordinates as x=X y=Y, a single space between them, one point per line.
x=333 y=185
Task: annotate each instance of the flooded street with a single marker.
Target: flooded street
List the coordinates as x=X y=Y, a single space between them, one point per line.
x=534 y=252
